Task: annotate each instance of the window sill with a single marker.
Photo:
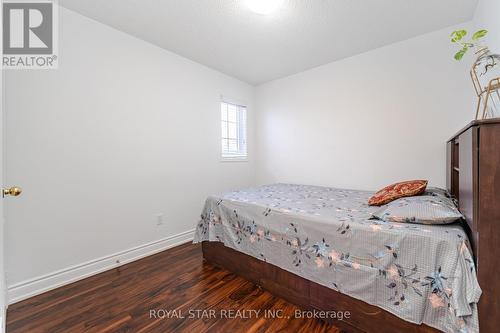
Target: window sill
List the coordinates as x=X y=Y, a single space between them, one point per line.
x=234 y=159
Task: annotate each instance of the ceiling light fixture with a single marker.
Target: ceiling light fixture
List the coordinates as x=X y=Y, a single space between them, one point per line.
x=264 y=7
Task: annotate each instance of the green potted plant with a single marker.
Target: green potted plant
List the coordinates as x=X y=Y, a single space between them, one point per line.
x=485 y=72
x=458 y=36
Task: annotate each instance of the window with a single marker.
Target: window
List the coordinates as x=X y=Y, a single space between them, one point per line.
x=234 y=131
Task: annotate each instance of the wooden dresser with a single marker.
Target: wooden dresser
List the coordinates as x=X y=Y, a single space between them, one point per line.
x=473 y=177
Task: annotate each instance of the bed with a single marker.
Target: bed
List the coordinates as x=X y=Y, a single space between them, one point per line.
x=319 y=247
x=327 y=249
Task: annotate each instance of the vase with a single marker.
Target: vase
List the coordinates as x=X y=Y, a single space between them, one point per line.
x=485 y=76
x=487 y=66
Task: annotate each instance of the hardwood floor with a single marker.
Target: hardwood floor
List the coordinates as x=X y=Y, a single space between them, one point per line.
x=122 y=300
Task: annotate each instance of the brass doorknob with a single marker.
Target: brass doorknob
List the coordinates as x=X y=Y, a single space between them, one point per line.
x=13 y=191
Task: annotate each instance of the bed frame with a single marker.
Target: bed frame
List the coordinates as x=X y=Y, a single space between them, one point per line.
x=473 y=158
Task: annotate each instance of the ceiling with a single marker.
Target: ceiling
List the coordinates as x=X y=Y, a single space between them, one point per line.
x=302 y=34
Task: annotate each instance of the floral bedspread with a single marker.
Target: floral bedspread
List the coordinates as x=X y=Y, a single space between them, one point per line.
x=420 y=273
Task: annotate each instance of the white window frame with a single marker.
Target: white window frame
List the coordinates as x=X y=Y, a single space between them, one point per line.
x=242 y=131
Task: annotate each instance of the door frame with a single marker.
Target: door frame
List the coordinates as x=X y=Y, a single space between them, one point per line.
x=3 y=287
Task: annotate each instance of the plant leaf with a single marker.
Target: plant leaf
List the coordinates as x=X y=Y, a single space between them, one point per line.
x=479 y=34
x=460 y=54
x=457 y=35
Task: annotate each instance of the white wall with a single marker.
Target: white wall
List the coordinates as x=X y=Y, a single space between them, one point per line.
x=487 y=17
x=121 y=132
x=368 y=120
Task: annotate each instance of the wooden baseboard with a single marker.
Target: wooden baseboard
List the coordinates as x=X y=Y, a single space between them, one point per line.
x=41 y=284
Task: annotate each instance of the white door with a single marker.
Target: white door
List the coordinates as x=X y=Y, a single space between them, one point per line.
x=3 y=293
x=5 y=194
x=3 y=289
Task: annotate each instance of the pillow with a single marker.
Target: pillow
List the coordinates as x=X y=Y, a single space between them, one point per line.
x=433 y=207
x=396 y=191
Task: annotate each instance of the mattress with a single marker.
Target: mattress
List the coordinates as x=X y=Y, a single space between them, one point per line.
x=420 y=273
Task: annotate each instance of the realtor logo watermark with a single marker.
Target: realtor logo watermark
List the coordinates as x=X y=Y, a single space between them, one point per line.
x=29 y=34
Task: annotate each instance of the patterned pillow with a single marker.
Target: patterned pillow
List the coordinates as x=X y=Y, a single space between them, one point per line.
x=396 y=191
x=433 y=207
